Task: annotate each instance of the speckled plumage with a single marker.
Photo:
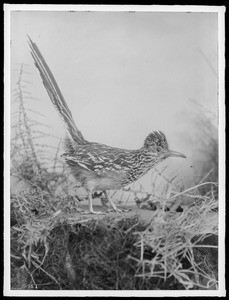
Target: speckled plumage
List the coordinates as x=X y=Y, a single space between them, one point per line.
x=119 y=166
x=97 y=166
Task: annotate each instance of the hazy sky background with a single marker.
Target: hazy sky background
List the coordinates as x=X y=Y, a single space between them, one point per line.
x=122 y=74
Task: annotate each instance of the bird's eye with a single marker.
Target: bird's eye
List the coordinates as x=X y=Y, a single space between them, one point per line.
x=158 y=148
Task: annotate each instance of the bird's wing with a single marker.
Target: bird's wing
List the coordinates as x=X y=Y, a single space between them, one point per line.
x=99 y=162
x=54 y=93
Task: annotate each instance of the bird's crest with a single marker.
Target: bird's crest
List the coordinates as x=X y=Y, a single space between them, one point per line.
x=156 y=138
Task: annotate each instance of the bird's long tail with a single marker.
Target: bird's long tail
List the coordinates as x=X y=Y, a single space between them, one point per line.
x=55 y=93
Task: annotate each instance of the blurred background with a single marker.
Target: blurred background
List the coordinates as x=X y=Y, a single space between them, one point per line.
x=124 y=75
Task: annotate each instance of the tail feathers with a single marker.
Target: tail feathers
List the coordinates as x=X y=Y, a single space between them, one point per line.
x=55 y=93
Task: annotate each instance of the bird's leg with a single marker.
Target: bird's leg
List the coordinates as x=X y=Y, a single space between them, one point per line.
x=100 y=195
x=91 y=211
x=114 y=208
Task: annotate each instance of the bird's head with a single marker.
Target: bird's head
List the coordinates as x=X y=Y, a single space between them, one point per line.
x=157 y=145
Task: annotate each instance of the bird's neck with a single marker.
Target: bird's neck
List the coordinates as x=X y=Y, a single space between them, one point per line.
x=144 y=161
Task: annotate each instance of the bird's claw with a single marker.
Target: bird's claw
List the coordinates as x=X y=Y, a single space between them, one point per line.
x=118 y=210
x=93 y=212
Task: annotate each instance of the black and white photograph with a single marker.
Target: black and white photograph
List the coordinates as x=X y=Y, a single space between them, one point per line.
x=114 y=160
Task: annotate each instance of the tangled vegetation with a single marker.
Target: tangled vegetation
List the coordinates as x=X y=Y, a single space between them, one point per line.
x=54 y=247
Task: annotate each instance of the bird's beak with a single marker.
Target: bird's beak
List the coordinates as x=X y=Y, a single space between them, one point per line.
x=172 y=153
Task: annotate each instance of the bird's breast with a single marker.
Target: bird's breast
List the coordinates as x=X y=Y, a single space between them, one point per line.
x=141 y=167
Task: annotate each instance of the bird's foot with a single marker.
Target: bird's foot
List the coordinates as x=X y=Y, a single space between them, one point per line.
x=89 y=212
x=118 y=210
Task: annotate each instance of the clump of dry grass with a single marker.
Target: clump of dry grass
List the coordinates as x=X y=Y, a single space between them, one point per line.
x=175 y=240
x=58 y=251
x=35 y=215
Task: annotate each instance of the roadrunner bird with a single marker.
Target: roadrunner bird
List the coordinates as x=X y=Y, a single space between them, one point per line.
x=96 y=166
